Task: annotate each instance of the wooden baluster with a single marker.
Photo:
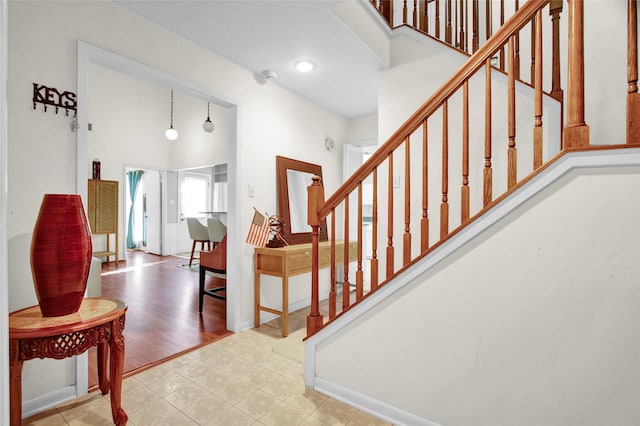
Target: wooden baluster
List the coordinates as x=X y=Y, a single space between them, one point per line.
x=555 y=8
x=374 y=233
x=461 y=36
x=415 y=13
x=315 y=194
x=346 y=287
x=488 y=171
x=404 y=12
x=390 y=251
x=516 y=68
x=501 y=24
x=576 y=133
x=424 y=223
x=633 y=97
x=359 y=273
x=386 y=9
x=424 y=24
x=406 y=247
x=464 y=191
x=438 y=19
x=475 y=42
x=511 y=88
x=333 y=299
x=444 y=206
x=488 y=27
x=454 y=25
x=466 y=26
x=447 y=31
x=537 y=129
x=533 y=49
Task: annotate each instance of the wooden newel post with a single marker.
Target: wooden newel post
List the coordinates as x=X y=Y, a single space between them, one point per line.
x=316 y=201
x=576 y=133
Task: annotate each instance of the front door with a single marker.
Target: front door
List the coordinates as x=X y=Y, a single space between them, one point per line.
x=152 y=211
x=194 y=199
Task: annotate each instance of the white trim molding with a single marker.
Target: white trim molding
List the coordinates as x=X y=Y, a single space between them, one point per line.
x=369 y=405
x=4 y=281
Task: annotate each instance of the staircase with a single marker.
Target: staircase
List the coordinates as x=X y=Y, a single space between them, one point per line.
x=476 y=153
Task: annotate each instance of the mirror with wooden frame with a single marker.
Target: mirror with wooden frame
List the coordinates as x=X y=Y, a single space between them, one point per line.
x=293 y=178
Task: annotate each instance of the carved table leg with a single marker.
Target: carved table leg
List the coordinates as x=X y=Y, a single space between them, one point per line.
x=15 y=388
x=103 y=381
x=117 y=366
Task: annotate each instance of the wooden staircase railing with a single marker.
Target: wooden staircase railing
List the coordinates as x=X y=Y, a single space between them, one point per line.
x=446 y=143
x=467 y=24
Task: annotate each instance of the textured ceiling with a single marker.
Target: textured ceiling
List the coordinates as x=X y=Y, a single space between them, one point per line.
x=273 y=35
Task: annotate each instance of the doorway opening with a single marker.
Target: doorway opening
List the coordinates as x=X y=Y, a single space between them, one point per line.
x=143 y=215
x=91 y=57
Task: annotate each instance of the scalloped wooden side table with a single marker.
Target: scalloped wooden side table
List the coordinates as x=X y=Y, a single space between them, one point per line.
x=99 y=322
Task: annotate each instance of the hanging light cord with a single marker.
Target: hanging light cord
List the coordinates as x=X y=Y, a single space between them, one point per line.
x=171 y=109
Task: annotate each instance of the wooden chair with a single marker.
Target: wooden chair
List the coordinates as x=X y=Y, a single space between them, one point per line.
x=199 y=234
x=214 y=261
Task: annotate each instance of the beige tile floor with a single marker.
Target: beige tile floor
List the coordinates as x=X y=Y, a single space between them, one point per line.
x=250 y=378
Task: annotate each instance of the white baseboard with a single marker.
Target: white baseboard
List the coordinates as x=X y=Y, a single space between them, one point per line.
x=49 y=400
x=369 y=405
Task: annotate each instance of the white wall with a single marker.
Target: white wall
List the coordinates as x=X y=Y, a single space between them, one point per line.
x=533 y=322
x=363 y=130
x=42 y=150
x=129 y=116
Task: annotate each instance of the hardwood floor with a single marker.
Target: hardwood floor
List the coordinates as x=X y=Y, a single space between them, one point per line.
x=162 y=319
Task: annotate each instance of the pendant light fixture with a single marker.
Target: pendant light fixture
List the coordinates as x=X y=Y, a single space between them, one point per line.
x=171 y=133
x=208 y=125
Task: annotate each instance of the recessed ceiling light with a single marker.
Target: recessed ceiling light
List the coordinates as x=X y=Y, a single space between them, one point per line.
x=304 y=66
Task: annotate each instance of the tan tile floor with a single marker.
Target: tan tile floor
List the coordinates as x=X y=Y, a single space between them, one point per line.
x=250 y=378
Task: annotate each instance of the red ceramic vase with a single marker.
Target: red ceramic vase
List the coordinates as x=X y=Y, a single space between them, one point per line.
x=61 y=254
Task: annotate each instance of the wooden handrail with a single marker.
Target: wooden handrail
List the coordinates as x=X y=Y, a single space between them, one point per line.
x=475 y=62
x=479 y=164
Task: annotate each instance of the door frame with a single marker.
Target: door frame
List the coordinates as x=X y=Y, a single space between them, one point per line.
x=4 y=280
x=90 y=54
x=163 y=208
x=181 y=174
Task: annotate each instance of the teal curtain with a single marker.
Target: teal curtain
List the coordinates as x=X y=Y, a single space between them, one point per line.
x=134 y=181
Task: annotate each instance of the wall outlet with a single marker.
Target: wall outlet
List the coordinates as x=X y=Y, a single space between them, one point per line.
x=396 y=181
x=251 y=191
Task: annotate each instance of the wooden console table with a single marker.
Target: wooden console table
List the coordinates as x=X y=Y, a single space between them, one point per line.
x=287 y=262
x=99 y=322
